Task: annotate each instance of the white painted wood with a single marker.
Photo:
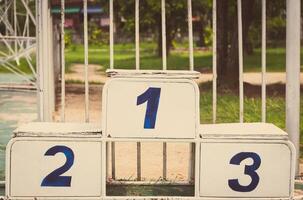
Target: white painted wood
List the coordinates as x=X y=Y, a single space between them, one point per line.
x=29 y=153
x=177 y=116
x=242 y=131
x=275 y=171
x=57 y=129
x=293 y=73
x=175 y=74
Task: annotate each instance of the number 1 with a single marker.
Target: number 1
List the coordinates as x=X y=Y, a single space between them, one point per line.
x=152 y=97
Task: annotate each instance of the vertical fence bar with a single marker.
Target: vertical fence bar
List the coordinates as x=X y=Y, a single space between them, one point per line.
x=240 y=41
x=137 y=19
x=62 y=33
x=111 y=65
x=214 y=60
x=138 y=161
x=111 y=34
x=190 y=35
x=263 y=60
x=113 y=160
x=164 y=67
x=38 y=66
x=43 y=66
x=15 y=23
x=191 y=67
x=27 y=25
x=164 y=161
x=293 y=8
x=163 y=17
x=86 y=61
x=6 y=15
x=51 y=82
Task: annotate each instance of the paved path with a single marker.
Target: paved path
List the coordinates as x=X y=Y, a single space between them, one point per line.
x=100 y=77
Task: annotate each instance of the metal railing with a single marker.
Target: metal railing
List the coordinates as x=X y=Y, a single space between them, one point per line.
x=292 y=65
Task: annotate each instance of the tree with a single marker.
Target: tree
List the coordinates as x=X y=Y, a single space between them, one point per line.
x=150 y=18
x=227 y=31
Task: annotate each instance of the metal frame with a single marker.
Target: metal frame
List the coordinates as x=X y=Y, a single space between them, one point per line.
x=45 y=71
x=103 y=139
x=17 y=40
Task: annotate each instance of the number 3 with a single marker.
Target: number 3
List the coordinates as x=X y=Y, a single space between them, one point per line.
x=249 y=170
x=54 y=179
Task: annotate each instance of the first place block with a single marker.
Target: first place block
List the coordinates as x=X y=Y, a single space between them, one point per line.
x=150 y=108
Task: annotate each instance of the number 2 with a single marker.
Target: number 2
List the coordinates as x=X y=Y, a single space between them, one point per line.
x=54 y=179
x=152 y=97
x=249 y=170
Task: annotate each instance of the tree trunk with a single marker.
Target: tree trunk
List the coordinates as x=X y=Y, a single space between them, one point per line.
x=228 y=58
x=248 y=16
x=222 y=39
x=201 y=34
x=169 y=39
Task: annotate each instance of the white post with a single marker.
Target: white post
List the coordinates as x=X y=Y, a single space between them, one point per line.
x=27 y=26
x=111 y=66
x=214 y=61
x=15 y=23
x=164 y=67
x=240 y=41
x=86 y=62
x=190 y=35
x=137 y=20
x=293 y=74
x=164 y=62
x=111 y=33
x=137 y=15
x=62 y=61
x=44 y=68
x=263 y=60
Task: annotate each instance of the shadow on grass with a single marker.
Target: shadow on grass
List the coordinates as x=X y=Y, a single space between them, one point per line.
x=149 y=190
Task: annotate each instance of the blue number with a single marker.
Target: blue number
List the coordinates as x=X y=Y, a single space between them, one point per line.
x=249 y=170
x=152 y=96
x=55 y=179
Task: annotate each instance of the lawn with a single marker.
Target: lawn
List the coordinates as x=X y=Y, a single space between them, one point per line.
x=178 y=59
x=125 y=58
x=228 y=109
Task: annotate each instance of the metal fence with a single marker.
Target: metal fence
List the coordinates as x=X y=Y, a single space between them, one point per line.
x=45 y=65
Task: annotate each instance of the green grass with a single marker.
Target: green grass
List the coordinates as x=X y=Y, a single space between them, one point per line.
x=228 y=110
x=24 y=67
x=125 y=58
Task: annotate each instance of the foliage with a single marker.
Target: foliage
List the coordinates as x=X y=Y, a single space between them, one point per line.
x=68 y=37
x=150 y=18
x=96 y=35
x=125 y=58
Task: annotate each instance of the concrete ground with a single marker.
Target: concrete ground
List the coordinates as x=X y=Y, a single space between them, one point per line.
x=96 y=76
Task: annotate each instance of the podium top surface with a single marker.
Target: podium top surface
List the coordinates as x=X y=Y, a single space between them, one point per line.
x=153 y=73
x=58 y=129
x=242 y=131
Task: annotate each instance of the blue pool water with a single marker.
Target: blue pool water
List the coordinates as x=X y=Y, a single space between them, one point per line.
x=15 y=108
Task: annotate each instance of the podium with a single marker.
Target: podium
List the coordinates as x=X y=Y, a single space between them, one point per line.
x=68 y=160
